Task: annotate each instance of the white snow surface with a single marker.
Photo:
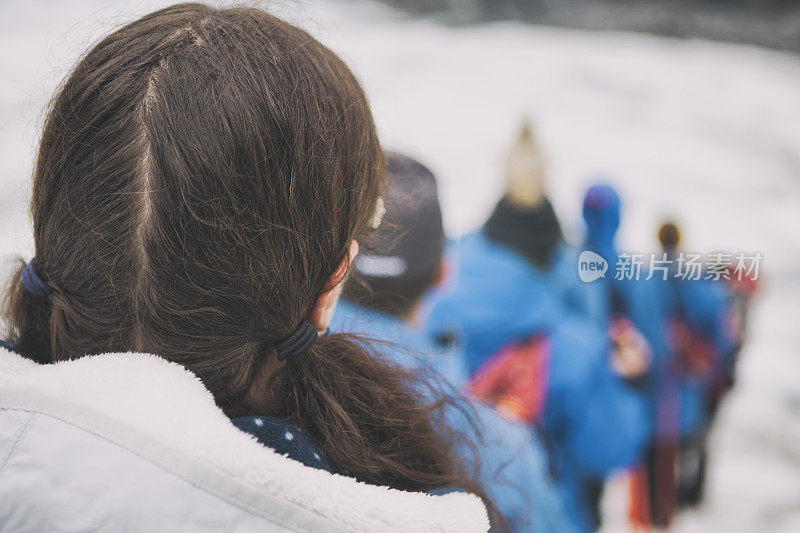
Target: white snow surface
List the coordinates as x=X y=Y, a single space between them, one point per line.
x=705 y=133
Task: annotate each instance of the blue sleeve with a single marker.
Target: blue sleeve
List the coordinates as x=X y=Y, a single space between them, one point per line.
x=514 y=471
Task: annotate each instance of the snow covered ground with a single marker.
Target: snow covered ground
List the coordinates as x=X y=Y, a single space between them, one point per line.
x=706 y=133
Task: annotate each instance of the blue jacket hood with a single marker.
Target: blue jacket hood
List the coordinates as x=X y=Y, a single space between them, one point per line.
x=601 y=212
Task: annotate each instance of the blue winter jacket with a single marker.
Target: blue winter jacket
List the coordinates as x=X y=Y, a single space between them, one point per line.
x=513 y=462
x=593 y=420
x=703 y=305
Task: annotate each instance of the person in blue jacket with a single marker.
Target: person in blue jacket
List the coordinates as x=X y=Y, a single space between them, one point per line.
x=403 y=261
x=679 y=382
x=702 y=353
x=674 y=407
x=505 y=293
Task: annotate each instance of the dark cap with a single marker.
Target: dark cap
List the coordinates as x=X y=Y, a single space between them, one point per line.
x=402 y=256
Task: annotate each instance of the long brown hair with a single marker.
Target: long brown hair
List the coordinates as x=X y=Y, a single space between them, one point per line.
x=200 y=177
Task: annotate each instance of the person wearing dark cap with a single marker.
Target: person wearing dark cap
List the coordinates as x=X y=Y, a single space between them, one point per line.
x=403 y=258
x=527 y=350
x=398 y=266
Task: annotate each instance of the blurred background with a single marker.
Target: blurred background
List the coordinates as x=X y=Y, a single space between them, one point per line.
x=690 y=107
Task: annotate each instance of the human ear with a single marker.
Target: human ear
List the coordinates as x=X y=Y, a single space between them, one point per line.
x=322 y=312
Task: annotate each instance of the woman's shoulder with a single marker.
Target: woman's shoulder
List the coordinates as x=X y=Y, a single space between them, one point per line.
x=172 y=447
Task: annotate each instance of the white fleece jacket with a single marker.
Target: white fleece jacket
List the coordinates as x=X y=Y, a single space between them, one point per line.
x=132 y=442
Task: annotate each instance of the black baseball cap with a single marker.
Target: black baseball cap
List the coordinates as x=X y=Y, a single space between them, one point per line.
x=402 y=257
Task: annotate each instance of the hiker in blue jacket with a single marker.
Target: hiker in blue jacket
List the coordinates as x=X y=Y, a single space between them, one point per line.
x=682 y=322
x=403 y=261
x=702 y=350
x=505 y=292
x=674 y=406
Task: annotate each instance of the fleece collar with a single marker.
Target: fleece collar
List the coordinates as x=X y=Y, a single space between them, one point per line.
x=168 y=403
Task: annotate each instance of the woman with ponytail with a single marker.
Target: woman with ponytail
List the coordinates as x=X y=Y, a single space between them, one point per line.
x=203 y=179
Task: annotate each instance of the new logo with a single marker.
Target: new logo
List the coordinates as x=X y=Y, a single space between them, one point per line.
x=591 y=266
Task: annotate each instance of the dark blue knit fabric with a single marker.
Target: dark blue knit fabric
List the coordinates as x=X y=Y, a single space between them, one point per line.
x=7 y=346
x=285 y=438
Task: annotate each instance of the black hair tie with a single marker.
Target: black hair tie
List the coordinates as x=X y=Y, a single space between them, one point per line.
x=298 y=342
x=32 y=282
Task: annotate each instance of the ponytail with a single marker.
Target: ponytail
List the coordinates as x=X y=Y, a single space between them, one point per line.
x=366 y=415
x=377 y=421
x=55 y=325
x=26 y=316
